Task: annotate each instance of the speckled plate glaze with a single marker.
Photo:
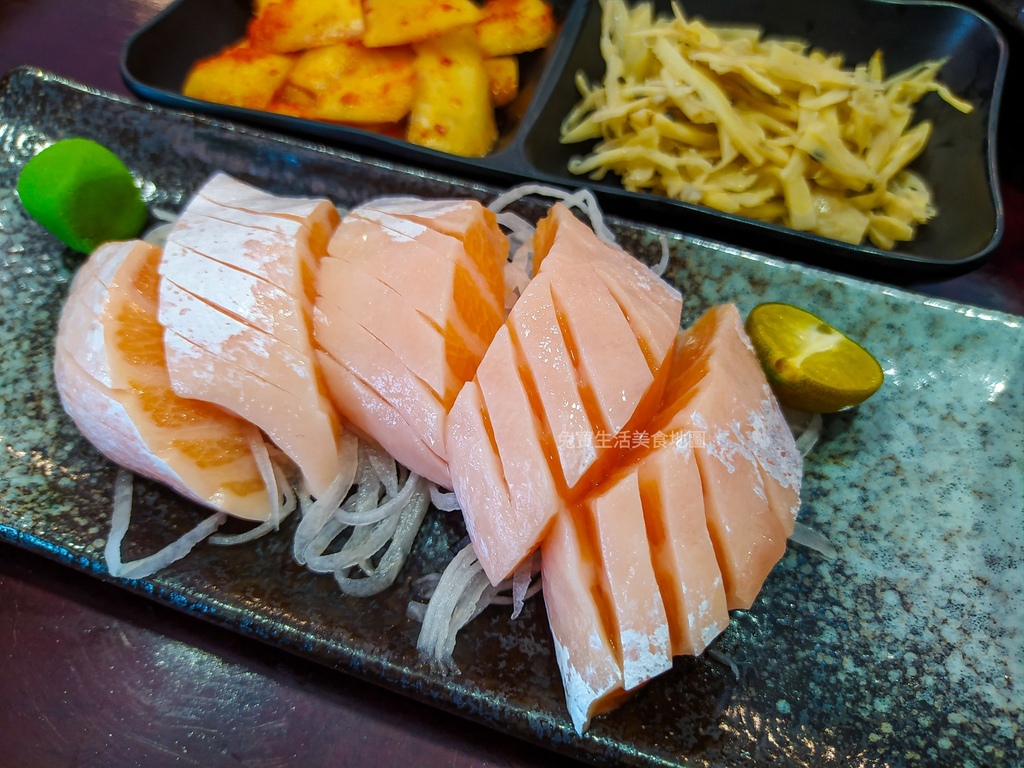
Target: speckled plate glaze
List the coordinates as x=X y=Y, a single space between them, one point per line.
x=906 y=649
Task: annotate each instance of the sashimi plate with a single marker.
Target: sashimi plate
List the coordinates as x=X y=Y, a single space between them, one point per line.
x=906 y=648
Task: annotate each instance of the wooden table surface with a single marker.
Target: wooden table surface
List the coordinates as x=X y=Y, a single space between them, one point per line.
x=93 y=676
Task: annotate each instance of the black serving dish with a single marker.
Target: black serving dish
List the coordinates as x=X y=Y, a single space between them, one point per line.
x=902 y=650
x=959 y=163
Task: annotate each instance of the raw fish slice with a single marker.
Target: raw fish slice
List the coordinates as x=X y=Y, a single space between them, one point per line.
x=523 y=448
x=239 y=268
x=445 y=247
x=719 y=340
x=299 y=426
x=221 y=189
x=242 y=295
x=479 y=483
x=407 y=333
x=233 y=340
x=561 y=238
x=587 y=659
x=538 y=335
x=406 y=314
x=681 y=548
x=111 y=375
x=629 y=581
x=369 y=360
x=716 y=402
x=612 y=367
x=469 y=221
x=411 y=269
x=380 y=422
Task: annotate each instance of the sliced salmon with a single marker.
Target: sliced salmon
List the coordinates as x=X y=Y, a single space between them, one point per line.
x=719 y=400
x=684 y=557
x=589 y=662
x=406 y=307
x=111 y=374
x=630 y=583
x=236 y=301
x=586 y=374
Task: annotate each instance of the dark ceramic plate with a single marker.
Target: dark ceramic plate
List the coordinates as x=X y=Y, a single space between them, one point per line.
x=959 y=164
x=905 y=649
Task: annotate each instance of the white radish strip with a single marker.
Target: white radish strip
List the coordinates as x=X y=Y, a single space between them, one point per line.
x=386 y=509
x=316 y=516
x=807 y=439
x=445 y=501
x=812 y=539
x=284 y=508
x=455 y=579
x=120 y=521
x=521 y=579
x=395 y=555
x=662 y=265
x=385 y=468
x=582 y=198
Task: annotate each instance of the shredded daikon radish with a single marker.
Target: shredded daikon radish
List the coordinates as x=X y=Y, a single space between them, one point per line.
x=583 y=199
x=377 y=517
x=445 y=501
x=662 y=265
x=812 y=539
x=460 y=594
x=457 y=599
x=120 y=521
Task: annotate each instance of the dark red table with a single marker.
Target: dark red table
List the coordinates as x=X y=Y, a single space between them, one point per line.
x=93 y=676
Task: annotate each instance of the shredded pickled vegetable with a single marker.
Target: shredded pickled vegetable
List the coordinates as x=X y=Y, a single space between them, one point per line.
x=770 y=129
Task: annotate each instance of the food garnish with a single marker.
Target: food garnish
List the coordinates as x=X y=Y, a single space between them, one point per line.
x=811 y=366
x=770 y=129
x=83 y=194
x=428 y=72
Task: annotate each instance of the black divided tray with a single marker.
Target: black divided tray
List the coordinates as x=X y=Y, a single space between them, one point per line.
x=959 y=163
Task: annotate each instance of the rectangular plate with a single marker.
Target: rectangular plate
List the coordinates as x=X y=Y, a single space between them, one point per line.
x=959 y=163
x=907 y=647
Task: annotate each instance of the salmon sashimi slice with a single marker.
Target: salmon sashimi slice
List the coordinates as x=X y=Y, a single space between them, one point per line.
x=685 y=561
x=588 y=659
x=477 y=474
x=427 y=277
x=613 y=370
x=377 y=366
x=378 y=420
x=483 y=270
x=112 y=377
x=419 y=344
x=467 y=220
x=524 y=450
x=280 y=239
x=718 y=402
x=538 y=334
x=718 y=339
x=652 y=306
x=404 y=309
x=236 y=300
x=629 y=580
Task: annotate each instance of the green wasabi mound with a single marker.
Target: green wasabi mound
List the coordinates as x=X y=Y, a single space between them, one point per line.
x=83 y=194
